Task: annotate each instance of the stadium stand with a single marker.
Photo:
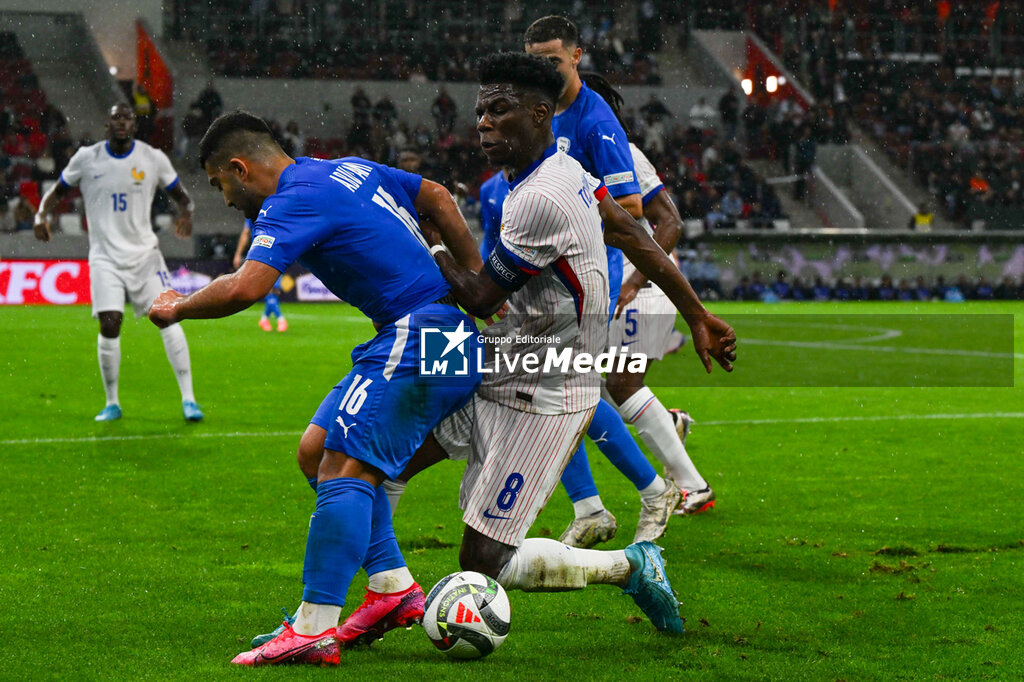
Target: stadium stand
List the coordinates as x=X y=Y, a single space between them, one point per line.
x=935 y=84
x=424 y=41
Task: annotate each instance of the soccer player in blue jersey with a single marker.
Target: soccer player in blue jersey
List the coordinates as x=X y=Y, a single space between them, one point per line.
x=272 y=302
x=353 y=223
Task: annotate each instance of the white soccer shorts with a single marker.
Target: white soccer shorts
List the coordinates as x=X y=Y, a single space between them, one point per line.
x=515 y=461
x=141 y=284
x=645 y=325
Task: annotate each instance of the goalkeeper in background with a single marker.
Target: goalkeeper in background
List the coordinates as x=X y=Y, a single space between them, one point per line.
x=272 y=303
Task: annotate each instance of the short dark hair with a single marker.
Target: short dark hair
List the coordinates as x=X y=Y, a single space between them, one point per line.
x=552 y=27
x=524 y=71
x=609 y=94
x=228 y=125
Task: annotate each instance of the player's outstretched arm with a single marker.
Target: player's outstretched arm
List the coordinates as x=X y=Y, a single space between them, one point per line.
x=476 y=292
x=183 y=223
x=41 y=222
x=661 y=212
x=435 y=206
x=712 y=337
x=224 y=296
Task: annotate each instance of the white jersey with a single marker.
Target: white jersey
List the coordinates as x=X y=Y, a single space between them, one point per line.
x=650 y=184
x=551 y=238
x=118 y=193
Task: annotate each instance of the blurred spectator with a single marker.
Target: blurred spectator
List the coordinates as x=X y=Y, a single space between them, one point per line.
x=293 y=142
x=145 y=112
x=444 y=110
x=361 y=106
x=821 y=291
x=655 y=110
x=781 y=287
x=702 y=116
x=708 y=278
x=23 y=215
x=209 y=102
x=922 y=220
x=729 y=112
x=384 y=111
x=805 y=158
x=193 y=126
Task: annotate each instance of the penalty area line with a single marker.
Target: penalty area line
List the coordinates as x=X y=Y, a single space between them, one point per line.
x=152 y=436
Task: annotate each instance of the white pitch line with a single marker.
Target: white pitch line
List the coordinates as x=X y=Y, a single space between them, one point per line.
x=738 y=422
x=831 y=345
x=152 y=436
x=866 y=418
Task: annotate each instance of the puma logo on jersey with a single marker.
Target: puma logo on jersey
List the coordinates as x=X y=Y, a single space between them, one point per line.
x=137 y=175
x=263 y=211
x=610 y=139
x=342 y=424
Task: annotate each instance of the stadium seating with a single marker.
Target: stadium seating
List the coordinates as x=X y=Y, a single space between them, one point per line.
x=344 y=40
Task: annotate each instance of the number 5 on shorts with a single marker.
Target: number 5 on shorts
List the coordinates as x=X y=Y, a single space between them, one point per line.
x=507 y=496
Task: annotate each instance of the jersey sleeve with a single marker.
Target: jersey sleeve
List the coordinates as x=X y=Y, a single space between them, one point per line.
x=72 y=173
x=535 y=234
x=165 y=173
x=608 y=149
x=410 y=182
x=284 y=230
x=647 y=177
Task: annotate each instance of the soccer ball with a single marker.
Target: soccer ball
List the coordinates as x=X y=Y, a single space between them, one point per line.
x=466 y=615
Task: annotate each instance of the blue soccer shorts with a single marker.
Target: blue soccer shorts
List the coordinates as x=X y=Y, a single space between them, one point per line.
x=382 y=411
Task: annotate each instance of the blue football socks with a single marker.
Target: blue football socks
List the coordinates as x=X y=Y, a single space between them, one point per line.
x=383 y=553
x=272 y=306
x=613 y=439
x=339 y=533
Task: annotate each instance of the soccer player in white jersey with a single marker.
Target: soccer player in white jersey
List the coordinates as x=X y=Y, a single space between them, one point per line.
x=550 y=267
x=118 y=178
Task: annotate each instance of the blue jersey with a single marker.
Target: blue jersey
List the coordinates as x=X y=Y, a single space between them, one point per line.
x=492 y=198
x=353 y=223
x=590 y=133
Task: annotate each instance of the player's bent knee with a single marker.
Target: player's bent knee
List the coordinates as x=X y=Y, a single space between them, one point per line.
x=110 y=324
x=311 y=450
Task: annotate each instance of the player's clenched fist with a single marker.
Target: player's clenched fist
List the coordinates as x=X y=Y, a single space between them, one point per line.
x=163 y=312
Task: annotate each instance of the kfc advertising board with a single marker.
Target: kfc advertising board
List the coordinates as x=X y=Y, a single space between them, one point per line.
x=57 y=282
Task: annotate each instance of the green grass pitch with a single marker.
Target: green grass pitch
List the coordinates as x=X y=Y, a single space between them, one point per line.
x=861 y=533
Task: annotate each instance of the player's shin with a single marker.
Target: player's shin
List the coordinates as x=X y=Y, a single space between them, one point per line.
x=384 y=563
x=176 y=348
x=543 y=565
x=579 y=484
x=108 y=353
x=656 y=428
x=339 y=534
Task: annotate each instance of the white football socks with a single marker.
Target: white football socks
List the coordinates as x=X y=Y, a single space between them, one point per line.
x=655 y=426
x=657 y=487
x=312 y=619
x=388 y=582
x=109 y=353
x=394 y=491
x=176 y=348
x=588 y=506
x=543 y=565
